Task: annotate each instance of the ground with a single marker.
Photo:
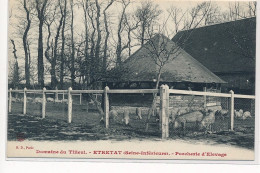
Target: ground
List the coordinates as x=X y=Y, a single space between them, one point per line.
x=87 y=126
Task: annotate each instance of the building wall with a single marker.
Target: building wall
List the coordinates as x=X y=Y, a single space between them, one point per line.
x=178 y=103
x=240 y=83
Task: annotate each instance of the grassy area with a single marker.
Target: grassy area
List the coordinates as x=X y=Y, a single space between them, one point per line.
x=87 y=126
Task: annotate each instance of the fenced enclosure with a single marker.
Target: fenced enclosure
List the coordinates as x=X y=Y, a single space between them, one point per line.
x=175 y=111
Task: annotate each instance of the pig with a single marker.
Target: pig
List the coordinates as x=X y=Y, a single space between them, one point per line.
x=208 y=120
x=38 y=100
x=246 y=115
x=113 y=114
x=173 y=115
x=221 y=113
x=31 y=99
x=49 y=99
x=65 y=101
x=126 y=117
x=139 y=113
x=238 y=114
x=192 y=117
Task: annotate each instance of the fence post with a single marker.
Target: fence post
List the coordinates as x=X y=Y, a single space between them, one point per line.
x=161 y=106
x=163 y=111
x=231 y=110
x=69 y=105
x=24 y=101
x=80 y=97
x=252 y=106
x=56 y=95
x=106 y=106
x=87 y=106
x=205 y=97
x=167 y=111
x=10 y=101
x=63 y=97
x=43 y=102
x=16 y=94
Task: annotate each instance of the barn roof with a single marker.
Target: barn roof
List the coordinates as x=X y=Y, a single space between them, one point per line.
x=222 y=48
x=180 y=67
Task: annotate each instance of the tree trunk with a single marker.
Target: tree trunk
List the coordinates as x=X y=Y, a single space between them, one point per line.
x=97 y=52
x=104 y=66
x=153 y=107
x=40 y=56
x=54 y=59
x=129 y=42
x=92 y=69
x=86 y=65
x=16 y=79
x=29 y=59
x=72 y=71
x=63 y=46
x=27 y=69
x=40 y=7
x=119 y=48
x=142 y=34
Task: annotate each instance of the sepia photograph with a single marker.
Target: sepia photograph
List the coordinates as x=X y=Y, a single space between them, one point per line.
x=132 y=79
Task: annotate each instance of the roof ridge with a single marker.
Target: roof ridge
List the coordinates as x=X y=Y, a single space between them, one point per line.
x=141 y=65
x=223 y=23
x=201 y=65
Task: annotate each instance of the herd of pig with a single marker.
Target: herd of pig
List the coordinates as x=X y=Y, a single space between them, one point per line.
x=204 y=119
x=39 y=100
x=238 y=114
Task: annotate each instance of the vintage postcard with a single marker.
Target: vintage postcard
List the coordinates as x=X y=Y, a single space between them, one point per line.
x=121 y=79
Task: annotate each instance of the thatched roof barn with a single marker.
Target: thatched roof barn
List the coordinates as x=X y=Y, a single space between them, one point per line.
x=144 y=65
x=226 y=49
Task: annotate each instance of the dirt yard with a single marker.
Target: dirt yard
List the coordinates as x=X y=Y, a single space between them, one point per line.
x=87 y=126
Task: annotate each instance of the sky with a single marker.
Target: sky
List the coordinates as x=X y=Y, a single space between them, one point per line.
x=113 y=11
x=32 y=167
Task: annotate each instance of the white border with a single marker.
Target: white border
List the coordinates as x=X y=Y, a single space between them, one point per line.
x=76 y=165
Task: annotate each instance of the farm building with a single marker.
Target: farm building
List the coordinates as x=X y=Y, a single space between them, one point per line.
x=226 y=49
x=181 y=71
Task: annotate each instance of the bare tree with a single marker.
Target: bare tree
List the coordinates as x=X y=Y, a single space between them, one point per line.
x=147 y=14
x=28 y=25
x=161 y=50
x=212 y=13
x=176 y=15
x=86 y=63
x=15 y=76
x=190 y=20
x=50 y=52
x=92 y=67
x=29 y=55
x=235 y=10
x=72 y=66
x=64 y=13
x=104 y=66
x=41 y=11
x=98 y=42
x=240 y=10
x=131 y=24
x=252 y=8
x=119 y=47
x=197 y=15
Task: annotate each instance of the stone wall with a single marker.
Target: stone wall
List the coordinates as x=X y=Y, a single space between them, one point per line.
x=179 y=104
x=184 y=101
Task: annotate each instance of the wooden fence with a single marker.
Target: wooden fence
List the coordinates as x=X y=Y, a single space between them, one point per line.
x=164 y=93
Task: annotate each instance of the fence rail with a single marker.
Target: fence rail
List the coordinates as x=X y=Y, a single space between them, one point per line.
x=164 y=92
x=133 y=91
